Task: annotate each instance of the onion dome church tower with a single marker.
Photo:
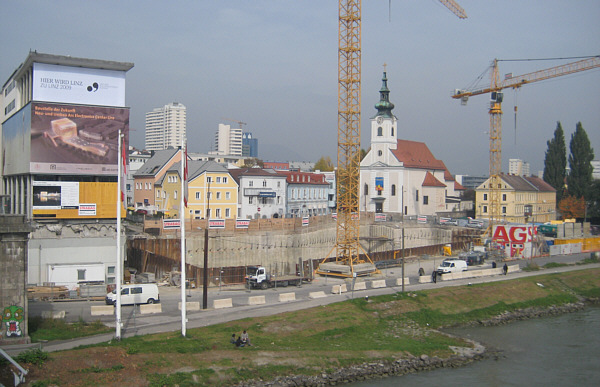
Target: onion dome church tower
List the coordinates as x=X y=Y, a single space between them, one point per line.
x=383 y=126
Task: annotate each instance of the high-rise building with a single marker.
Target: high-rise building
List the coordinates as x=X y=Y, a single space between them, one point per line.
x=518 y=167
x=249 y=145
x=228 y=140
x=166 y=126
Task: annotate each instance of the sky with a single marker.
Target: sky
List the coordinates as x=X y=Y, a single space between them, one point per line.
x=273 y=65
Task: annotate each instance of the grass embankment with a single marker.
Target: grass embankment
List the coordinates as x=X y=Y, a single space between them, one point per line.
x=310 y=341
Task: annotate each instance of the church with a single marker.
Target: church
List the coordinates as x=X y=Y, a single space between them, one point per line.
x=403 y=176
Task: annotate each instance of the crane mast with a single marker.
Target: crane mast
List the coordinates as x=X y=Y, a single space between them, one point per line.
x=495 y=112
x=348 y=261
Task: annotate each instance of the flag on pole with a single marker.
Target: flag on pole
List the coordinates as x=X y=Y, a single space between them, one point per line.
x=123 y=169
x=185 y=177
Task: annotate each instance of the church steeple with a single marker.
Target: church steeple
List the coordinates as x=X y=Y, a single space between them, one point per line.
x=384 y=106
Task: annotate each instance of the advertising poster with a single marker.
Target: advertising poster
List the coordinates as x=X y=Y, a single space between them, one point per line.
x=55 y=195
x=80 y=85
x=72 y=139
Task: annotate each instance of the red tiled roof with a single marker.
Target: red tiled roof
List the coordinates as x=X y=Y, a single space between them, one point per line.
x=416 y=155
x=540 y=184
x=458 y=186
x=293 y=177
x=431 y=181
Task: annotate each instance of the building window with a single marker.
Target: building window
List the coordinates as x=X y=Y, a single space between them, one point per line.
x=218 y=213
x=111 y=270
x=251 y=183
x=219 y=195
x=379 y=131
x=80 y=274
x=278 y=184
x=228 y=212
x=227 y=195
x=264 y=183
x=484 y=196
x=379 y=192
x=393 y=189
x=392 y=131
x=197 y=195
x=208 y=213
x=504 y=210
x=175 y=195
x=379 y=153
x=417 y=196
x=218 y=179
x=250 y=200
x=158 y=193
x=503 y=197
x=225 y=180
x=366 y=189
x=209 y=179
x=425 y=199
x=484 y=209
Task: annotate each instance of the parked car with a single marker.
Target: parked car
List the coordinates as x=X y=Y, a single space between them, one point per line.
x=475 y=258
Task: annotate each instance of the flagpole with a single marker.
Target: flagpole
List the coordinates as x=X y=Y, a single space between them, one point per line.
x=182 y=219
x=118 y=268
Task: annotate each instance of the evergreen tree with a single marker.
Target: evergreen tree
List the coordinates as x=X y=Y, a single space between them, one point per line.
x=555 y=163
x=580 y=162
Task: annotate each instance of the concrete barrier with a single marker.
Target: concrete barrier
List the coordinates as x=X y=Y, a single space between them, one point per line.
x=338 y=289
x=378 y=284
x=361 y=285
x=256 y=300
x=103 y=310
x=190 y=306
x=223 y=303
x=424 y=279
x=399 y=281
x=287 y=297
x=54 y=314
x=316 y=294
x=150 y=308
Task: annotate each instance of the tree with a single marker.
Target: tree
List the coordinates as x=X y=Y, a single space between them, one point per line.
x=593 y=201
x=253 y=162
x=555 y=162
x=580 y=162
x=324 y=164
x=571 y=207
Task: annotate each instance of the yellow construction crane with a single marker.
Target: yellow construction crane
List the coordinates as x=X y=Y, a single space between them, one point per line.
x=495 y=111
x=348 y=261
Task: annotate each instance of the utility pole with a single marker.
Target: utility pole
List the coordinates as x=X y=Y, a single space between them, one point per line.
x=205 y=271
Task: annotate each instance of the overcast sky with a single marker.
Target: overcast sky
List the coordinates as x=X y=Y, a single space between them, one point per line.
x=273 y=65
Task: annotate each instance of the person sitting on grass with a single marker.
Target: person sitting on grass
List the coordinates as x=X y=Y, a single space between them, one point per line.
x=245 y=338
x=232 y=340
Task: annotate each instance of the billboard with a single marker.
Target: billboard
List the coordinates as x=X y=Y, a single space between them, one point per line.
x=16 y=143
x=74 y=200
x=80 y=85
x=514 y=233
x=76 y=140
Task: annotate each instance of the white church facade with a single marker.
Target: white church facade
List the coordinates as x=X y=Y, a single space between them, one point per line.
x=403 y=176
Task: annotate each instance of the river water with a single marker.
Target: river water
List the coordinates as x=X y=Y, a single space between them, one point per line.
x=553 y=351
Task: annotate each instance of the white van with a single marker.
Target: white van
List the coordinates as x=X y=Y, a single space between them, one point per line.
x=452 y=265
x=135 y=294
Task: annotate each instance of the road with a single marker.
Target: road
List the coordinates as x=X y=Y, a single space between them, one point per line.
x=170 y=318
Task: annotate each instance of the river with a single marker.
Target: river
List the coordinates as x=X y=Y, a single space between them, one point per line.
x=553 y=351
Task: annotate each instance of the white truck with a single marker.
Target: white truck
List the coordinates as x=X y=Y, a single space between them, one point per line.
x=257 y=277
x=451 y=265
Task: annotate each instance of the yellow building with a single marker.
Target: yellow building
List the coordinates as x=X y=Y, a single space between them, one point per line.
x=518 y=194
x=221 y=204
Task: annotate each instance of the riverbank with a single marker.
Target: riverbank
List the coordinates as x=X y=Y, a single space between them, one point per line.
x=334 y=344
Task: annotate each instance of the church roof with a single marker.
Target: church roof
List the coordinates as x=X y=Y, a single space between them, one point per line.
x=414 y=154
x=431 y=181
x=384 y=106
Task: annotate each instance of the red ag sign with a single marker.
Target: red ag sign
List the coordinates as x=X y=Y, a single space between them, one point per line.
x=513 y=234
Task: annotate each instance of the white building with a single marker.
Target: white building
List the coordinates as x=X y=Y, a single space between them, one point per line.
x=228 y=140
x=518 y=167
x=61 y=118
x=595 y=170
x=262 y=193
x=402 y=176
x=166 y=126
x=307 y=194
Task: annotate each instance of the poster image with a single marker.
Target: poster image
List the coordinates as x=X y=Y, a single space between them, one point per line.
x=73 y=139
